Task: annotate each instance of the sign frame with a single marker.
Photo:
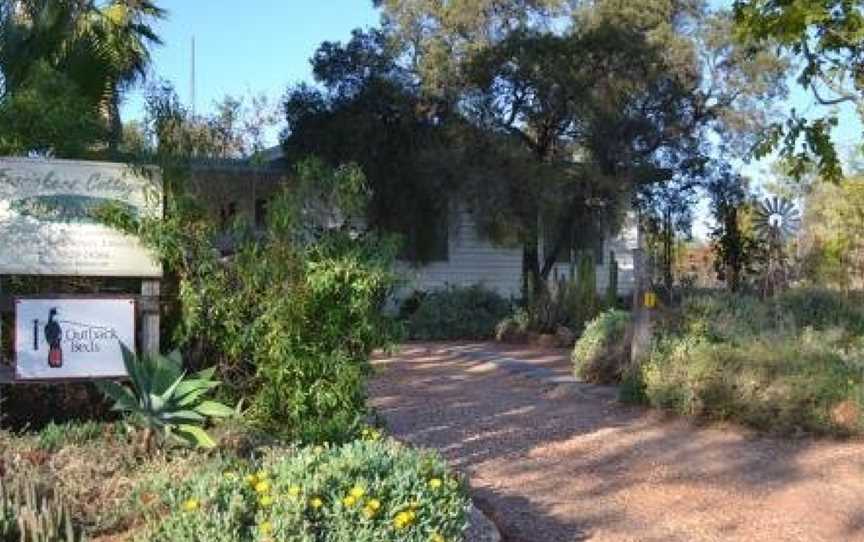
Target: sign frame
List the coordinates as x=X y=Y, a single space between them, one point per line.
x=50 y=196
x=16 y=377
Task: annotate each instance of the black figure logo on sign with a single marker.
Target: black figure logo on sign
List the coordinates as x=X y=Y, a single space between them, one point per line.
x=53 y=335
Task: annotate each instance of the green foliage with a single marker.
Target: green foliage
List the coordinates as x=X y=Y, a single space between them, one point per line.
x=162 y=398
x=611 y=300
x=458 y=312
x=290 y=317
x=734 y=242
x=30 y=515
x=601 y=353
x=372 y=490
x=782 y=365
x=832 y=240
x=586 y=305
x=827 y=37
x=54 y=436
x=48 y=114
x=98 y=50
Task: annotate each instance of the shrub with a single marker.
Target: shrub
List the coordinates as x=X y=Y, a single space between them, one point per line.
x=290 y=317
x=601 y=353
x=513 y=328
x=364 y=491
x=779 y=365
x=458 y=312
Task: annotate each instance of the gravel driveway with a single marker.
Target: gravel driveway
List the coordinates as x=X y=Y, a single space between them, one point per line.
x=556 y=462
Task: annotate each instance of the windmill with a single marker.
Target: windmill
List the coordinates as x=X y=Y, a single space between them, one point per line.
x=777 y=220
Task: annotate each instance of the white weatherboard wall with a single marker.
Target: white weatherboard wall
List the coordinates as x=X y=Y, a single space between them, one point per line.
x=472 y=260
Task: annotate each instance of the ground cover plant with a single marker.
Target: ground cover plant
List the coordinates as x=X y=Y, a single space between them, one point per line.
x=785 y=364
x=250 y=487
x=455 y=312
x=367 y=490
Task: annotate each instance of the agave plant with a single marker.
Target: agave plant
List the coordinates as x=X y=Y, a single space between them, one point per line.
x=164 y=400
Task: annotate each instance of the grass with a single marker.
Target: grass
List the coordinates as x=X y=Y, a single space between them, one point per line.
x=791 y=364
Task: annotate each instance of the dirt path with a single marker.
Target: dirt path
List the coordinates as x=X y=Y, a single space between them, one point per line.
x=553 y=463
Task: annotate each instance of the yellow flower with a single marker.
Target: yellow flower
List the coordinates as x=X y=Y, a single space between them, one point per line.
x=294 y=491
x=370 y=433
x=318 y=450
x=316 y=502
x=404 y=519
x=349 y=501
x=251 y=479
x=435 y=483
x=265 y=501
x=266 y=528
x=190 y=505
x=436 y=538
x=261 y=475
x=357 y=492
x=262 y=487
x=370 y=510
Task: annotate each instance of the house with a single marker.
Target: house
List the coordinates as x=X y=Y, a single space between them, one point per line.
x=464 y=258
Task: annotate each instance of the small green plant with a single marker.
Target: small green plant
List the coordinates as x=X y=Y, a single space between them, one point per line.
x=373 y=490
x=601 y=353
x=611 y=301
x=586 y=290
x=458 y=312
x=163 y=400
x=28 y=515
x=54 y=436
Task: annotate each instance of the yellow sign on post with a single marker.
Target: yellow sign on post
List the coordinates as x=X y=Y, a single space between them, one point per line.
x=650 y=300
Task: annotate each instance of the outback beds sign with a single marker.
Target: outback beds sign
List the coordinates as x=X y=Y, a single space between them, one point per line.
x=72 y=338
x=46 y=222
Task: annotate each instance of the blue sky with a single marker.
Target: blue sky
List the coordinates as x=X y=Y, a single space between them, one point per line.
x=247 y=47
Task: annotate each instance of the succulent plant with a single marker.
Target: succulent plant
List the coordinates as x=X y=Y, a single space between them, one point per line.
x=163 y=399
x=30 y=515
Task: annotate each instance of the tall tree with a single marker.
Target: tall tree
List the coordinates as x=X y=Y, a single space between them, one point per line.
x=103 y=48
x=369 y=111
x=734 y=243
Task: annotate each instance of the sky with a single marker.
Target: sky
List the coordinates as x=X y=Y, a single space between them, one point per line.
x=263 y=46
x=247 y=47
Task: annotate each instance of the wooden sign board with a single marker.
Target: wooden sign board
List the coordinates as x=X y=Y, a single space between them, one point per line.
x=47 y=225
x=72 y=338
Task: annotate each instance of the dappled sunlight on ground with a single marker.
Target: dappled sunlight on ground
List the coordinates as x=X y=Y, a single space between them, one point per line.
x=559 y=462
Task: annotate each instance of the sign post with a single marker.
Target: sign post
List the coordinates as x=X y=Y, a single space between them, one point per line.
x=48 y=228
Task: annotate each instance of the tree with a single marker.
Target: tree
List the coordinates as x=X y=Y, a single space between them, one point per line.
x=103 y=48
x=827 y=36
x=48 y=114
x=370 y=112
x=734 y=243
x=439 y=39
